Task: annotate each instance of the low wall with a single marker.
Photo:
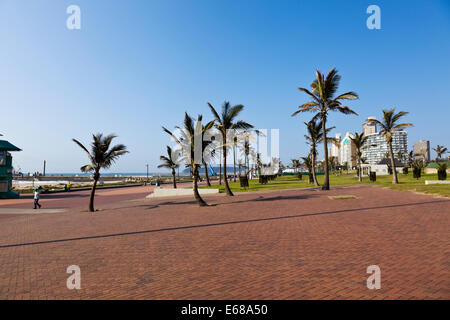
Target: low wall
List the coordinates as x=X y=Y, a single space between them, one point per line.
x=166 y=192
x=433 y=170
x=437 y=181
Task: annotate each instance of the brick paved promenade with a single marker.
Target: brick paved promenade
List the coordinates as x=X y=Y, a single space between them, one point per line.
x=296 y=244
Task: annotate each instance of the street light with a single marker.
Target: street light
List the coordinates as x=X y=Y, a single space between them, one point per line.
x=147 y=173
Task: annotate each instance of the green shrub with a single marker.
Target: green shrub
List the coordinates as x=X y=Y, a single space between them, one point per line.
x=373 y=176
x=263 y=179
x=442 y=171
x=299 y=175
x=405 y=170
x=417 y=172
x=243 y=180
x=417 y=168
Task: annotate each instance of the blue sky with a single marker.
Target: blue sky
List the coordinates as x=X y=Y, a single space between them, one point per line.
x=137 y=65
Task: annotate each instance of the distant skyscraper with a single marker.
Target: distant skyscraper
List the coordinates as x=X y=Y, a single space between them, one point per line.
x=422 y=150
x=376 y=146
x=348 y=151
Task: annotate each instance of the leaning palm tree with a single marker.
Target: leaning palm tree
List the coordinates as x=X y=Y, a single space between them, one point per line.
x=440 y=151
x=323 y=92
x=359 y=141
x=313 y=137
x=101 y=156
x=388 y=126
x=224 y=122
x=171 y=161
x=191 y=133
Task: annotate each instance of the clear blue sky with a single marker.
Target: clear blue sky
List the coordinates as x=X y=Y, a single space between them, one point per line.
x=137 y=65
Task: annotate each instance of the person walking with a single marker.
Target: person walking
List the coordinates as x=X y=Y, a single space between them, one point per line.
x=36 y=198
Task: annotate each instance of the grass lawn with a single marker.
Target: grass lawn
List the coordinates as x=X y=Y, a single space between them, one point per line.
x=406 y=183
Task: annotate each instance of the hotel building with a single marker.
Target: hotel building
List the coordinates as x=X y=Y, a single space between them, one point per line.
x=376 y=145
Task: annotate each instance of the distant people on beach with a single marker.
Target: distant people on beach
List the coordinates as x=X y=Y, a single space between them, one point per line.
x=37 y=193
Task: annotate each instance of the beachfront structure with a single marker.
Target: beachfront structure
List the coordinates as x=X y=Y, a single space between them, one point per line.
x=376 y=146
x=6 y=170
x=348 y=151
x=422 y=150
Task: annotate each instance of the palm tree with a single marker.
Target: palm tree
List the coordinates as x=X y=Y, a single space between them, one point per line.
x=101 y=156
x=208 y=152
x=358 y=141
x=247 y=150
x=295 y=164
x=189 y=133
x=240 y=165
x=388 y=126
x=171 y=161
x=205 y=165
x=307 y=162
x=323 y=92
x=440 y=151
x=410 y=158
x=226 y=121
x=313 y=137
x=400 y=155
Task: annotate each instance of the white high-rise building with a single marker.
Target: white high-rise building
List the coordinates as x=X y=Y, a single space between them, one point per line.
x=348 y=151
x=335 y=150
x=376 y=146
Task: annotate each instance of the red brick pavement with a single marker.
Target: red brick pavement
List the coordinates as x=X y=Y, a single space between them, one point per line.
x=268 y=245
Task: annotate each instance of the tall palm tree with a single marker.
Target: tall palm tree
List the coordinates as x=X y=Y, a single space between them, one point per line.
x=313 y=137
x=235 y=142
x=189 y=134
x=388 y=126
x=440 y=151
x=240 y=165
x=224 y=122
x=323 y=92
x=171 y=161
x=359 y=141
x=101 y=156
x=247 y=150
x=208 y=153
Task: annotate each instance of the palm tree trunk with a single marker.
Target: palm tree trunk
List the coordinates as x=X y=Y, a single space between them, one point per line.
x=220 y=168
x=359 y=171
x=174 y=179
x=234 y=162
x=394 y=172
x=91 y=199
x=313 y=160
x=227 y=187
x=326 y=182
x=197 y=197
x=206 y=174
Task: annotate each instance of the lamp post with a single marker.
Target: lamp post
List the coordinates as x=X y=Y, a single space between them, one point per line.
x=147 y=174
